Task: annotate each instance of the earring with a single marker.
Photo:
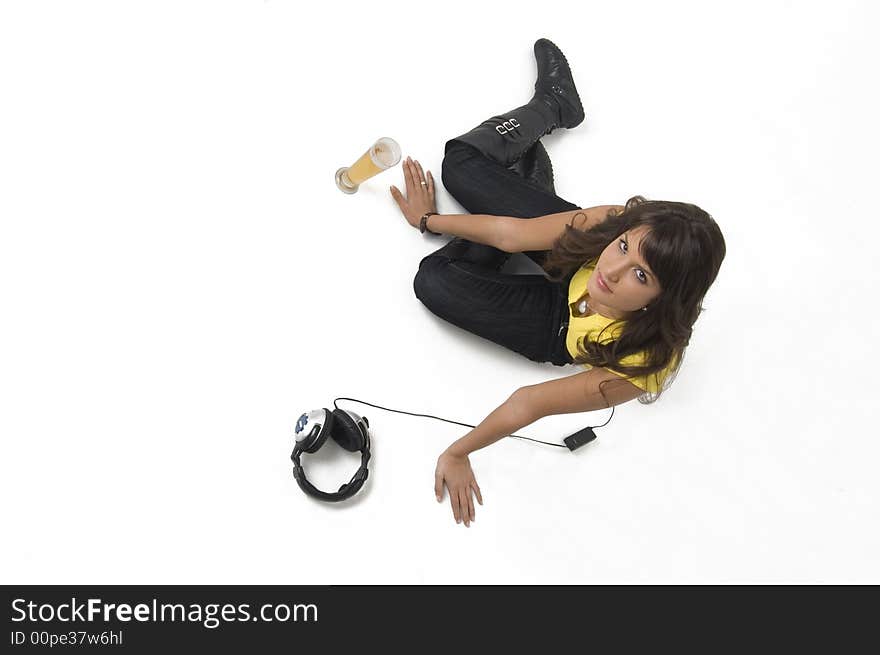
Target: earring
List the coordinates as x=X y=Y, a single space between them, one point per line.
x=644 y=309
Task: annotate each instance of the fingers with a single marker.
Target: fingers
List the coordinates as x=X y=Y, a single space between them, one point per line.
x=428 y=179
x=476 y=488
x=398 y=197
x=415 y=175
x=461 y=487
x=438 y=485
x=462 y=505
x=453 y=503
x=409 y=175
x=421 y=174
x=463 y=511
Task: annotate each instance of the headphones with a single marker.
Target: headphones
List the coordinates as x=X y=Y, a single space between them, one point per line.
x=348 y=430
x=351 y=432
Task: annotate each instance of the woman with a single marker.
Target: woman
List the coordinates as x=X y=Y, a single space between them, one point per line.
x=624 y=284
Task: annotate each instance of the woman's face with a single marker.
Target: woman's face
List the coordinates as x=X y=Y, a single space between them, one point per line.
x=631 y=283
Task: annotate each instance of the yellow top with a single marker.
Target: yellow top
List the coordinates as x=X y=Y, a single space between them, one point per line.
x=590 y=326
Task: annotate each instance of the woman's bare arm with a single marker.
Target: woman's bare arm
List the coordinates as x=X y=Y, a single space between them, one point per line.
x=512 y=234
x=523 y=235
x=575 y=393
x=504 y=420
x=480 y=228
x=578 y=393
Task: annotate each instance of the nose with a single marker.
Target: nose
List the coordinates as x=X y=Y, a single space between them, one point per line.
x=612 y=273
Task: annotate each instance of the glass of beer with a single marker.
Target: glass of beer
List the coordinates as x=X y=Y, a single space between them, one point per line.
x=382 y=155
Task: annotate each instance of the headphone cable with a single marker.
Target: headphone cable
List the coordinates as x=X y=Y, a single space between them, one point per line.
x=400 y=411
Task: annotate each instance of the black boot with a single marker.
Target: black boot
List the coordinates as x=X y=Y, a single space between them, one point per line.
x=506 y=138
x=555 y=79
x=535 y=167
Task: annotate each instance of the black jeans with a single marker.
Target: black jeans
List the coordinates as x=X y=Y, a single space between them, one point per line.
x=461 y=282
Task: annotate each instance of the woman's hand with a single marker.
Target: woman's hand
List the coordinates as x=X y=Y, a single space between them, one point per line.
x=456 y=472
x=419 y=192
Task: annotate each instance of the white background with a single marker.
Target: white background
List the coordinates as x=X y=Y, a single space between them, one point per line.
x=180 y=279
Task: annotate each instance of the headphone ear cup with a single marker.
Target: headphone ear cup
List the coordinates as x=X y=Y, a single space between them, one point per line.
x=326 y=429
x=346 y=432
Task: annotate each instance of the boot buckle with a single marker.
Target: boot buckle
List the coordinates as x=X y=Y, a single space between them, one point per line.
x=507 y=126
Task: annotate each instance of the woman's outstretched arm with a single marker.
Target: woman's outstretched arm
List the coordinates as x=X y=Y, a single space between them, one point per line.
x=575 y=393
x=506 y=233
x=480 y=228
x=540 y=233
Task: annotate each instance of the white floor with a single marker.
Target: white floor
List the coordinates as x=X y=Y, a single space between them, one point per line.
x=181 y=279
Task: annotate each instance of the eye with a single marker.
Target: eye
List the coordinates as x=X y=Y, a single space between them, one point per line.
x=643 y=278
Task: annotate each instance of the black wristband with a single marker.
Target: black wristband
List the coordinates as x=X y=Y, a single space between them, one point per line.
x=423 y=224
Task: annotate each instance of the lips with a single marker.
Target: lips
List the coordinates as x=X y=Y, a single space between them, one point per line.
x=601 y=282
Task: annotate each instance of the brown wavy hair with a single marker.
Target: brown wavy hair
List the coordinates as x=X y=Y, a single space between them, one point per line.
x=684 y=248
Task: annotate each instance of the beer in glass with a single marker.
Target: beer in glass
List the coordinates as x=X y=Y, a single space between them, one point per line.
x=380 y=156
